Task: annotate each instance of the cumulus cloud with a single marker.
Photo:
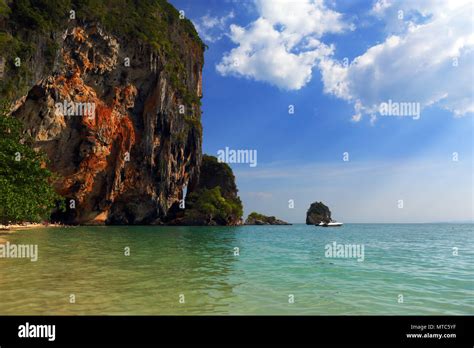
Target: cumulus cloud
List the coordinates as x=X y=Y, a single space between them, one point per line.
x=282 y=46
x=431 y=62
x=380 y=6
x=213 y=28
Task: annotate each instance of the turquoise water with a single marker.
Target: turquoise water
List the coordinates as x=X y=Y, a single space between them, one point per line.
x=413 y=260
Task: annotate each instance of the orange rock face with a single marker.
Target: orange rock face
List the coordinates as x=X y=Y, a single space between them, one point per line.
x=113 y=132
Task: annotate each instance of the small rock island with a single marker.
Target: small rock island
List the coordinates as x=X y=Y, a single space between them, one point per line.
x=260 y=219
x=318 y=212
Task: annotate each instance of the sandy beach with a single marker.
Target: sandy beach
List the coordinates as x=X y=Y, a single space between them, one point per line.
x=25 y=226
x=5 y=230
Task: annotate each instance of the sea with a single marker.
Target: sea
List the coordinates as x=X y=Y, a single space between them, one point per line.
x=356 y=269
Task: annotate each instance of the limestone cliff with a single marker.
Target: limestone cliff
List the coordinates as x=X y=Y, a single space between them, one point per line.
x=116 y=111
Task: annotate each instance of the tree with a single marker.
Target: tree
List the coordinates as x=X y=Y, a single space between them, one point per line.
x=209 y=205
x=26 y=193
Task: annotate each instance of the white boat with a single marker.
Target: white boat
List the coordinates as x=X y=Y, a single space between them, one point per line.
x=330 y=224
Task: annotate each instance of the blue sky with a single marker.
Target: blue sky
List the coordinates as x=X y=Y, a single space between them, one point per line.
x=336 y=62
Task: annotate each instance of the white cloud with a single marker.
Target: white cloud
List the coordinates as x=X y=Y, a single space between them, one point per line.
x=380 y=6
x=283 y=45
x=211 y=28
x=417 y=65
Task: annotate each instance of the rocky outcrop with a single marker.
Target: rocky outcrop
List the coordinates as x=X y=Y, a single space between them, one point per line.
x=260 y=219
x=118 y=117
x=212 y=199
x=318 y=212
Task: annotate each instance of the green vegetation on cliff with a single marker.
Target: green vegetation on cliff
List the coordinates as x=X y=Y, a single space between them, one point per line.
x=25 y=190
x=155 y=22
x=210 y=207
x=215 y=199
x=215 y=173
x=256 y=216
x=147 y=20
